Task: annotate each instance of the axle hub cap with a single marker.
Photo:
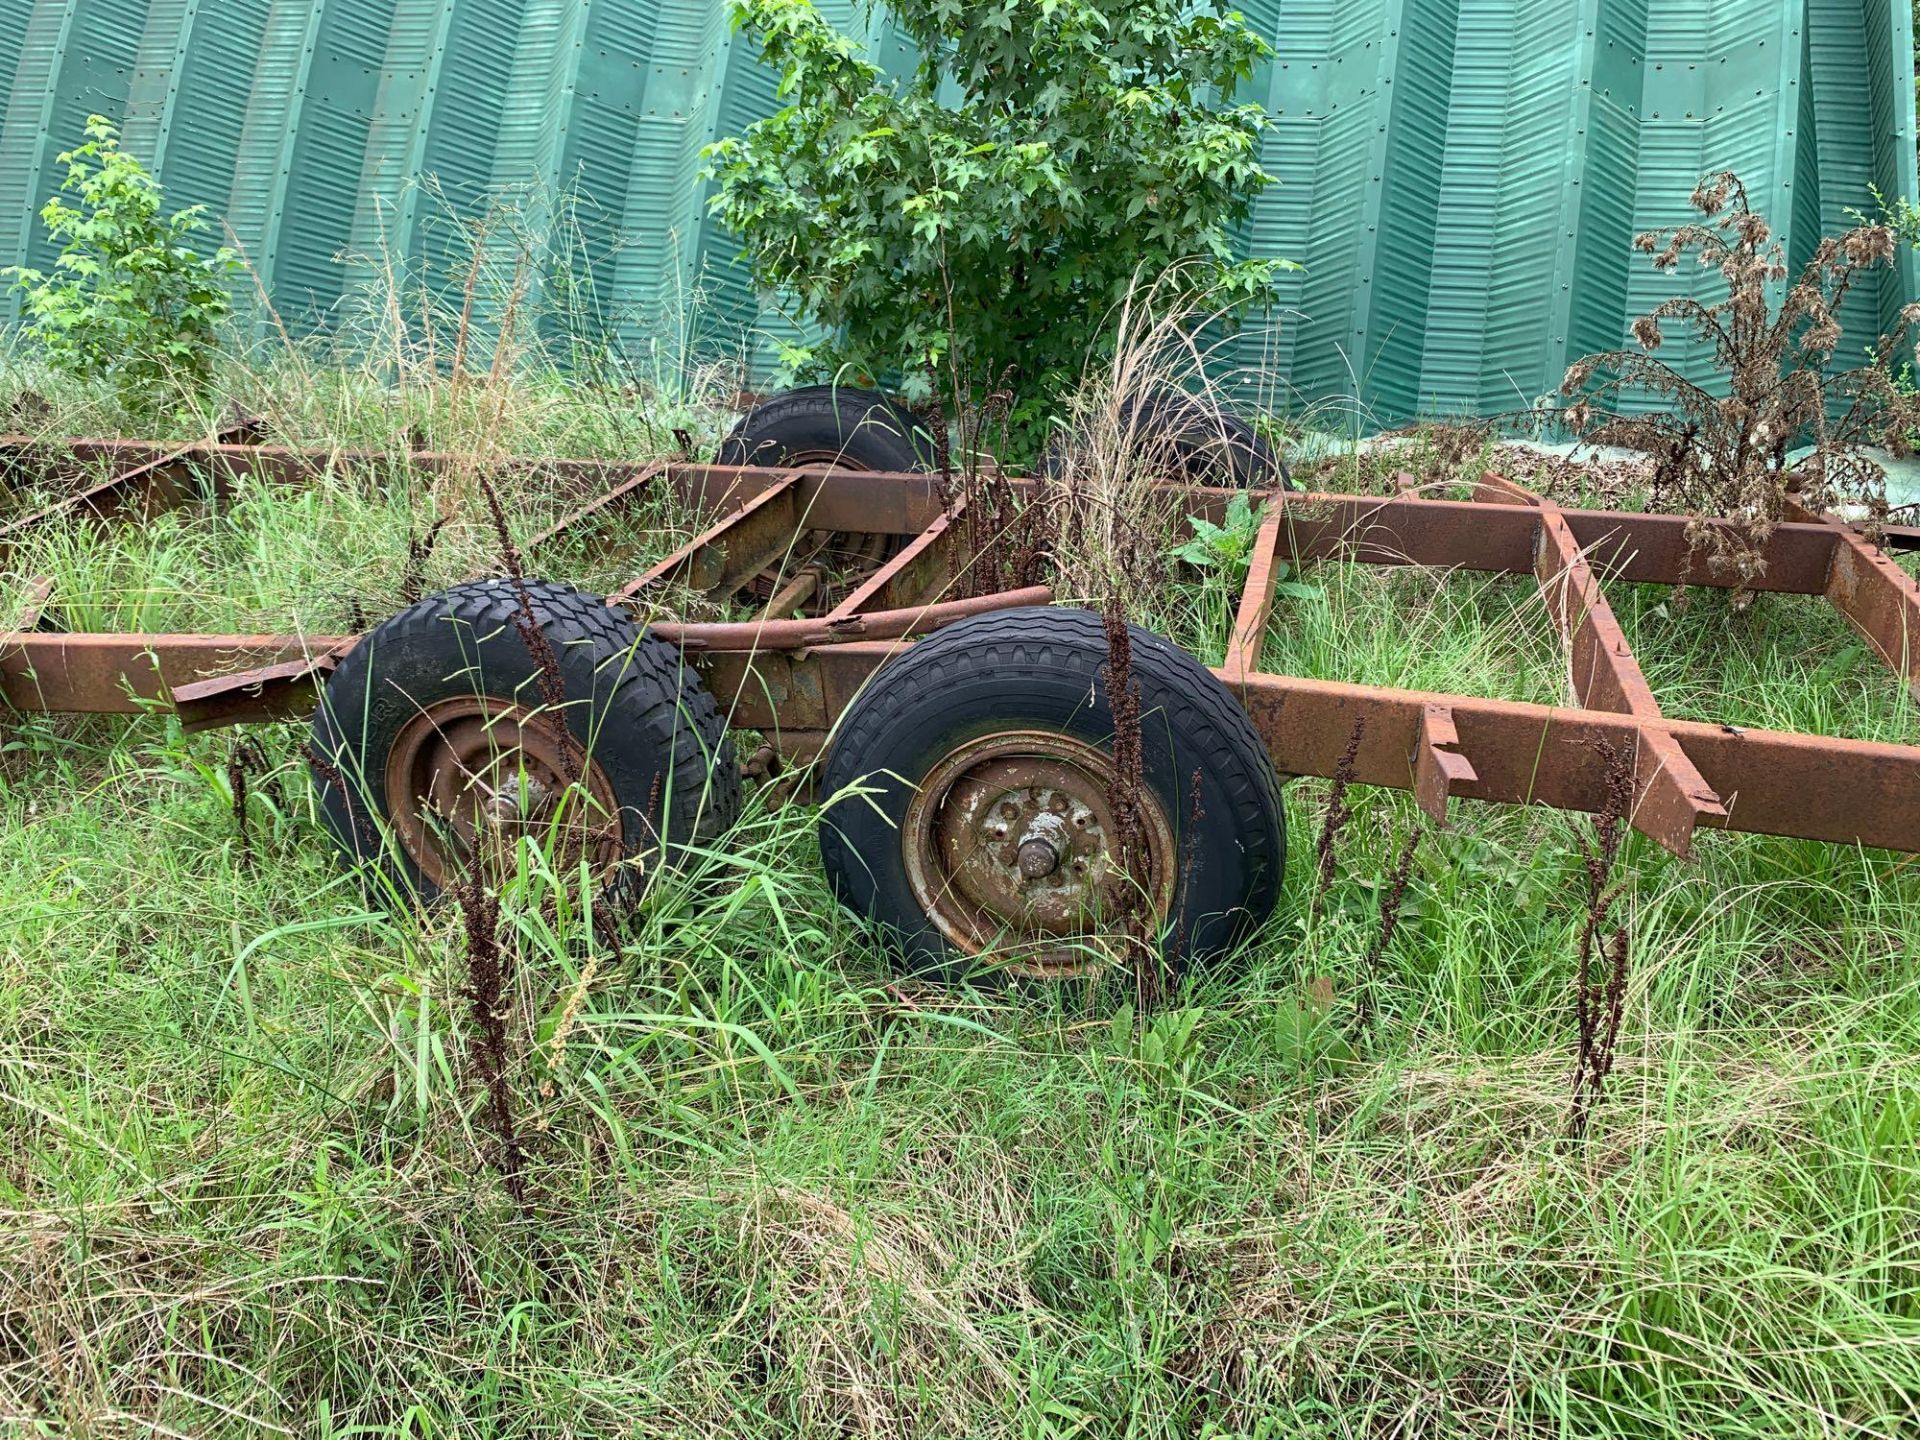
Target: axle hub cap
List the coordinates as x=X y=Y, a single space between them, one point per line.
x=1012 y=850
x=468 y=776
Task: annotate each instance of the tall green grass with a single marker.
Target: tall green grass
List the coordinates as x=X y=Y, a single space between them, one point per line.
x=246 y=1181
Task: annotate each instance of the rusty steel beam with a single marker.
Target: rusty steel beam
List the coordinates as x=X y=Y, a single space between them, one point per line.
x=1670 y=796
x=289 y=690
x=39 y=595
x=722 y=558
x=600 y=507
x=1817 y=788
x=1500 y=539
x=1508 y=752
x=700 y=488
x=1256 y=596
x=157 y=484
x=225 y=691
x=1870 y=589
x=1404 y=529
x=111 y=674
x=755 y=636
x=1601 y=668
x=920 y=571
x=1880 y=600
x=1812 y=787
x=1439 y=769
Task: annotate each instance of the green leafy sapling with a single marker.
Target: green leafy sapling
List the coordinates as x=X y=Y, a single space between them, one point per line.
x=971 y=225
x=130 y=300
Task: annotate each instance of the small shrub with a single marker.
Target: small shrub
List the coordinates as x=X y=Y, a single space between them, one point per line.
x=130 y=300
x=1726 y=459
x=986 y=240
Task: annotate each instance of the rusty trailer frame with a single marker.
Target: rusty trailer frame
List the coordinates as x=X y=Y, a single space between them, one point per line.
x=791 y=678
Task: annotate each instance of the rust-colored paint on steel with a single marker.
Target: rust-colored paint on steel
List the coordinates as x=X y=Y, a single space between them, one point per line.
x=726 y=555
x=113 y=674
x=794 y=677
x=287 y=690
x=1500 y=539
x=758 y=635
x=912 y=576
x=1880 y=600
x=39 y=593
x=159 y=482
x=1439 y=769
x=1670 y=796
x=1600 y=666
x=1256 y=596
x=600 y=507
x=1809 y=786
x=1510 y=752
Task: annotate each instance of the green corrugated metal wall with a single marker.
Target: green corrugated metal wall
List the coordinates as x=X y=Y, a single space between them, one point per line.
x=1461 y=177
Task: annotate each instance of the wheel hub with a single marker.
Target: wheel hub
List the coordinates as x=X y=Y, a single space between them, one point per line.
x=1012 y=850
x=468 y=777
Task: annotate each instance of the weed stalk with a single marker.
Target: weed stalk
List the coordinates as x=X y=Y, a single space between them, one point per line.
x=1600 y=1003
x=1326 y=848
x=486 y=996
x=1392 y=897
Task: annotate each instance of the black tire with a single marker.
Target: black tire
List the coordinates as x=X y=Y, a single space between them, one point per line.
x=1040 y=669
x=1207 y=445
x=633 y=708
x=860 y=429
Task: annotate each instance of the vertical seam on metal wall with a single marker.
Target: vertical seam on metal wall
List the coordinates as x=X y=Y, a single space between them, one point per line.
x=43 y=140
x=408 y=219
x=163 y=129
x=282 y=171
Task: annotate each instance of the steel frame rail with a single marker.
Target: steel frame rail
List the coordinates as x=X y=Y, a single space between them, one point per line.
x=792 y=677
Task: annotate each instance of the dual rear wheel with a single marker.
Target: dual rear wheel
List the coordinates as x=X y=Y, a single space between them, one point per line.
x=974 y=809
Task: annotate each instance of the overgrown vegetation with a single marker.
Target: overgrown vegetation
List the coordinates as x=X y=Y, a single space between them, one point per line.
x=271 y=1157
x=254 y=1156
x=131 y=301
x=975 y=245
x=1787 y=421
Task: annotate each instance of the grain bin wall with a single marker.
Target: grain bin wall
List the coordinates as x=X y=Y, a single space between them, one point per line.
x=1461 y=177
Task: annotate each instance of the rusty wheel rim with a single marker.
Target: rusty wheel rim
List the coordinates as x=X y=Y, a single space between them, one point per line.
x=820 y=455
x=468 y=777
x=1011 y=850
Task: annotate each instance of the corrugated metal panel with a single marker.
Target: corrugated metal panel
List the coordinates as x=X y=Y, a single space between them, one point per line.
x=1460 y=177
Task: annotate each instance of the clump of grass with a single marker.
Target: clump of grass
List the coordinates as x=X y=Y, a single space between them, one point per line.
x=1426 y=629
x=1393 y=895
x=1113 y=521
